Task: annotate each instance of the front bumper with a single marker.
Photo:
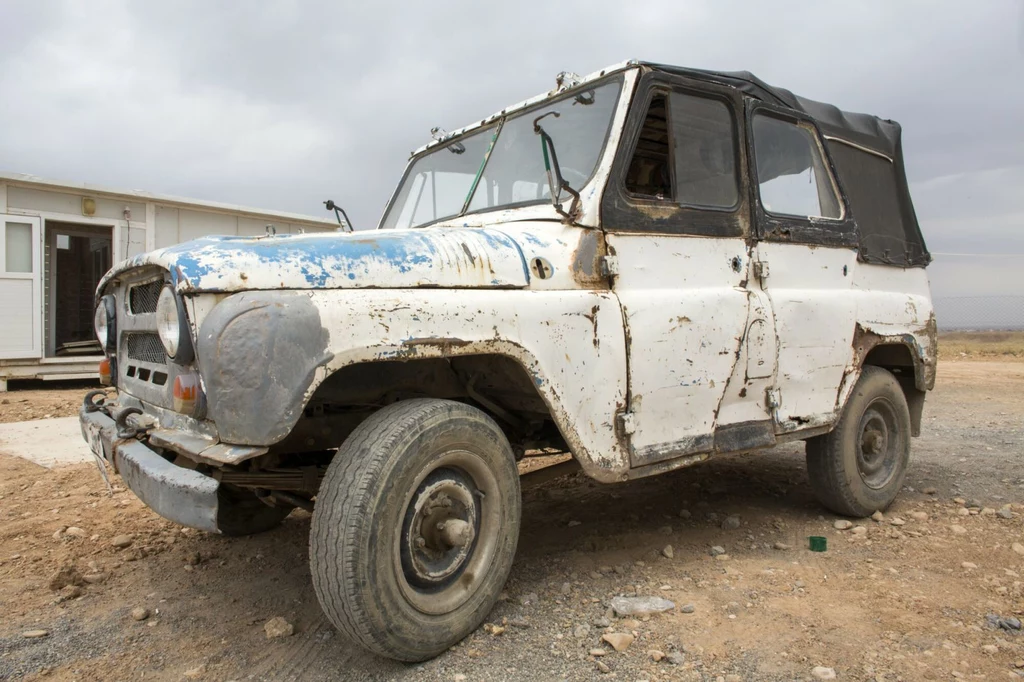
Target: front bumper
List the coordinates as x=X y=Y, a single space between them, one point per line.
x=178 y=494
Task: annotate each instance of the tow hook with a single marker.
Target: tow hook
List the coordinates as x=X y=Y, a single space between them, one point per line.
x=124 y=429
x=91 y=404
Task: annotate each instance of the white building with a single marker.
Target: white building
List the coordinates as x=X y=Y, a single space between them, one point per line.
x=56 y=241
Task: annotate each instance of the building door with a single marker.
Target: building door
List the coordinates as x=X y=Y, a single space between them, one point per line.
x=20 y=288
x=74 y=259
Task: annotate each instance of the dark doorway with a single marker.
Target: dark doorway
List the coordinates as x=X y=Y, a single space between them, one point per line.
x=75 y=256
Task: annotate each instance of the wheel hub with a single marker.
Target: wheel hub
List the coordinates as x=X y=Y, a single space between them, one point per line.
x=443 y=525
x=876 y=454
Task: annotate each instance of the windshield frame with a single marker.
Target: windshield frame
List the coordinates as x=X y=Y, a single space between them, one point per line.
x=496 y=123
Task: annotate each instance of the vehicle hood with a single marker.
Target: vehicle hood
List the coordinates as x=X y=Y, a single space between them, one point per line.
x=383 y=259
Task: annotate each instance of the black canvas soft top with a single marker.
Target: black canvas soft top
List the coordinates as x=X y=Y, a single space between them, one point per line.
x=889 y=231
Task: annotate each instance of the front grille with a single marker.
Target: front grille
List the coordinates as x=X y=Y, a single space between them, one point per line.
x=142 y=298
x=145 y=347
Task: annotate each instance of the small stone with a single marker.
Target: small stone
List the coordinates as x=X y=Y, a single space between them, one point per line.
x=878 y=516
x=75 y=531
x=675 y=658
x=574 y=523
x=990 y=649
x=781 y=546
x=667 y=552
x=687 y=608
x=968 y=565
x=733 y=678
x=620 y=641
x=35 y=634
x=717 y=550
x=919 y=515
x=566 y=588
x=602 y=623
x=494 y=630
x=842 y=524
x=121 y=541
x=963 y=511
x=459 y=677
x=94 y=578
x=722 y=557
x=731 y=523
x=684 y=513
x=1003 y=513
x=897 y=521
x=66 y=575
x=140 y=613
x=960 y=530
x=1018 y=548
x=69 y=592
x=582 y=631
x=859 y=530
x=820 y=672
x=929 y=491
x=193 y=559
x=598 y=652
x=603 y=667
x=528 y=599
x=656 y=655
x=196 y=672
x=278 y=627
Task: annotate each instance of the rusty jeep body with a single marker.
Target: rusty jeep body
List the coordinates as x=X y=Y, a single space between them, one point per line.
x=642 y=268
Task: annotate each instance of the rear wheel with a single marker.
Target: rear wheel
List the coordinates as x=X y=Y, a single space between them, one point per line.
x=859 y=467
x=415 y=527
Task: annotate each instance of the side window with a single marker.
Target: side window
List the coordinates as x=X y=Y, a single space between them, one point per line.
x=686 y=153
x=649 y=175
x=704 y=153
x=791 y=173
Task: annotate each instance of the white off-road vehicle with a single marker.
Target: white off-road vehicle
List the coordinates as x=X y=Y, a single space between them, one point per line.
x=643 y=268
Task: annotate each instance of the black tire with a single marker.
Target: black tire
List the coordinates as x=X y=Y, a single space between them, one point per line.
x=858 y=468
x=240 y=512
x=382 y=574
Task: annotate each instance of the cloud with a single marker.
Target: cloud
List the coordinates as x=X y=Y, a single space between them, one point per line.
x=283 y=104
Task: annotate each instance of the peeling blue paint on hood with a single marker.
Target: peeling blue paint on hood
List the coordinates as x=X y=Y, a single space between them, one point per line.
x=384 y=259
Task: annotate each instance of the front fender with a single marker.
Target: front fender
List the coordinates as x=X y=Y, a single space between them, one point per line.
x=571 y=343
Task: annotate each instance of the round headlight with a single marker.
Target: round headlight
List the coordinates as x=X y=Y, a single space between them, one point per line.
x=168 y=322
x=102 y=325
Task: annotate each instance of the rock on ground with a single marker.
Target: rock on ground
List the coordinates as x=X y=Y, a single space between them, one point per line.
x=620 y=641
x=278 y=627
x=822 y=673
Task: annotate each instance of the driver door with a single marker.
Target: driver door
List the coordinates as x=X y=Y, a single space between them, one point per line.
x=677 y=221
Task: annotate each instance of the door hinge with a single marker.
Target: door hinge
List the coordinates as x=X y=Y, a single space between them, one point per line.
x=609 y=266
x=627 y=423
x=773 y=398
x=761 y=269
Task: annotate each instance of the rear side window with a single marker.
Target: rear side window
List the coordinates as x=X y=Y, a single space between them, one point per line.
x=791 y=173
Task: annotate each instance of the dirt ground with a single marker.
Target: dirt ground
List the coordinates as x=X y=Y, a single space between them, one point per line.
x=906 y=599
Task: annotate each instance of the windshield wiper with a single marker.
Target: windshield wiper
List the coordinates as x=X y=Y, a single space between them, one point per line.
x=556 y=183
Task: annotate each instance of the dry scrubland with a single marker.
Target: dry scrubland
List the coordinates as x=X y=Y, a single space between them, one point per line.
x=97 y=587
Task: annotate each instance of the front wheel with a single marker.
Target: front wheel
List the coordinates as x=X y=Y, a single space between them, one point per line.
x=415 y=527
x=858 y=468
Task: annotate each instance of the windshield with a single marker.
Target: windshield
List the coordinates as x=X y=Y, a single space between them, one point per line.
x=503 y=165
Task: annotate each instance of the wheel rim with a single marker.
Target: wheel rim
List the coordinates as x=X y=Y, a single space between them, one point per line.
x=878 y=446
x=449 y=532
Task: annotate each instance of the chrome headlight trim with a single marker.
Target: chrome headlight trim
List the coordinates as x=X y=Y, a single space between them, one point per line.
x=172 y=327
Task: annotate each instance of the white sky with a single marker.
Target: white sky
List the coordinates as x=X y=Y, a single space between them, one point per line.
x=283 y=104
